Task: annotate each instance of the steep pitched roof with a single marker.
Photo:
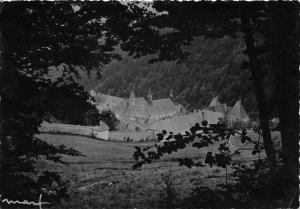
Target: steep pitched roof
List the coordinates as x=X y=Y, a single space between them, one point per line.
x=220 y=108
x=138 y=110
x=107 y=100
x=102 y=127
x=121 y=108
x=238 y=112
x=214 y=102
x=141 y=102
x=143 y=109
x=229 y=108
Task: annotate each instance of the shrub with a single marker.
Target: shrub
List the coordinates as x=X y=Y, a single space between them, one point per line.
x=110 y=119
x=168 y=197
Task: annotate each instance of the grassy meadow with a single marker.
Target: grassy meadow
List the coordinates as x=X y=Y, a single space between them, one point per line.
x=104 y=178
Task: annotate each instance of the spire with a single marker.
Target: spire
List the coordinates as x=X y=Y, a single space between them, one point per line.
x=132 y=98
x=132 y=95
x=171 y=94
x=214 y=102
x=238 y=112
x=149 y=97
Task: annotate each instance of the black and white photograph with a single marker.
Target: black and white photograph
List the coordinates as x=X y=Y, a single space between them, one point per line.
x=149 y=104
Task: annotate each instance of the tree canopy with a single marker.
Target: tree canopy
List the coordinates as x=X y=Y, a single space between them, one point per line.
x=38 y=37
x=43 y=44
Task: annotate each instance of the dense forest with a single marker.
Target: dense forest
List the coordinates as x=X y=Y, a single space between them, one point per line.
x=212 y=68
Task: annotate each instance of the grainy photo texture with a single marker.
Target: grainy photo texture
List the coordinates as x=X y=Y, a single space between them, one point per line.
x=149 y=105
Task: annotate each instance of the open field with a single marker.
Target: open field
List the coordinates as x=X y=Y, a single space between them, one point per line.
x=132 y=136
x=104 y=178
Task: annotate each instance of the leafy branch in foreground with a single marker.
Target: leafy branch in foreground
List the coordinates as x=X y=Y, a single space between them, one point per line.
x=253 y=181
x=200 y=137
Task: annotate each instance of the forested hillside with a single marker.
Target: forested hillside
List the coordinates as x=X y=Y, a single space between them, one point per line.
x=212 y=68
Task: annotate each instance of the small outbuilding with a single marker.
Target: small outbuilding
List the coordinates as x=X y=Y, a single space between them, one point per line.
x=101 y=131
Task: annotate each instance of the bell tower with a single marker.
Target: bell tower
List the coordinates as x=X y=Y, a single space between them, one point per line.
x=149 y=97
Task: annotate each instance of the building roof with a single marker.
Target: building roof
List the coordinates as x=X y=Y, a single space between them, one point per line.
x=220 y=108
x=121 y=108
x=229 y=108
x=178 y=124
x=141 y=102
x=137 y=107
x=136 y=110
x=104 y=100
x=216 y=106
x=162 y=106
x=238 y=112
x=185 y=122
x=101 y=127
x=143 y=109
x=214 y=102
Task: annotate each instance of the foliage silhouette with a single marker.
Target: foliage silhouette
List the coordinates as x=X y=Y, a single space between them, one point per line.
x=43 y=46
x=200 y=137
x=110 y=119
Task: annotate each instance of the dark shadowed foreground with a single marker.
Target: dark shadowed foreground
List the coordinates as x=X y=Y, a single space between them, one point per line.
x=104 y=178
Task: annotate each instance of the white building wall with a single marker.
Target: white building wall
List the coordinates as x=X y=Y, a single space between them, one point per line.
x=101 y=134
x=74 y=129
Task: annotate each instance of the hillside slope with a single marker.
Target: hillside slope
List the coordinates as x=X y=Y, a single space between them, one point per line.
x=213 y=68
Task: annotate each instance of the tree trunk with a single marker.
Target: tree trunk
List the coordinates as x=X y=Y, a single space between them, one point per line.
x=3 y=145
x=259 y=91
x=6 y=153
x=284 y=38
